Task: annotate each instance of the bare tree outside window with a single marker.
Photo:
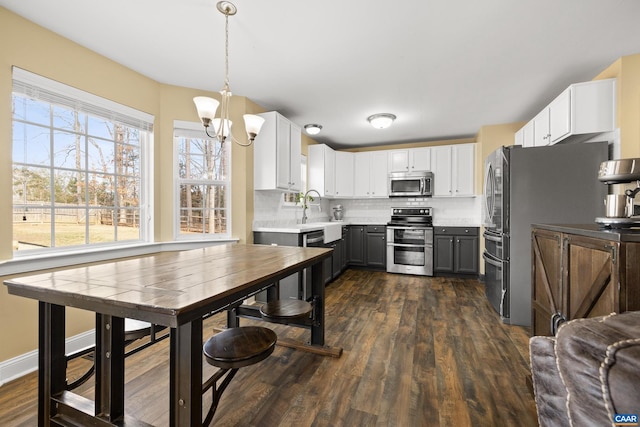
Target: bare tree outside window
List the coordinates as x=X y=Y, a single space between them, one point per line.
x=76 y=177
x=203 y=186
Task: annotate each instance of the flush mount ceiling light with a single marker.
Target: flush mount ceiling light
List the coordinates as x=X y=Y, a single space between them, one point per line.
x=381 y=121
x=207 y=107
x=312 y=128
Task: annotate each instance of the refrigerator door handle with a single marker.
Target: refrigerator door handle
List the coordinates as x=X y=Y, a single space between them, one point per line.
x=489 y=195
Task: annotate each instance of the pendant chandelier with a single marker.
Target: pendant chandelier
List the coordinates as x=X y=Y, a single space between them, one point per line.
x=207 y=107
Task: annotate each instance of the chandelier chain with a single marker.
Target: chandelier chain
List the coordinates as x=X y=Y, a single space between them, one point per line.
x=226 y=51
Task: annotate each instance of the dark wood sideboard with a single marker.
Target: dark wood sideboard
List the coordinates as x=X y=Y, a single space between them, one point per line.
x=582 y=271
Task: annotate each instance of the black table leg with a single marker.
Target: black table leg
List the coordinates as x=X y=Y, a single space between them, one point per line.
x=185 y=406
x=233 y=321
x=317 y=291
x=109 y=354
x=51 y=359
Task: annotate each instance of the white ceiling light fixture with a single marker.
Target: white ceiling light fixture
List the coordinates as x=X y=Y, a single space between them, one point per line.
x=381 y=120
x=207 y=107
x=312 y=128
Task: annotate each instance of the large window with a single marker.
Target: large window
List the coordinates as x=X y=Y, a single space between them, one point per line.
x=203 y=185
x=79 y=167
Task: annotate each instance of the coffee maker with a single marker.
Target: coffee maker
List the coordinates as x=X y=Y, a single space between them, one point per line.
x=620 y=209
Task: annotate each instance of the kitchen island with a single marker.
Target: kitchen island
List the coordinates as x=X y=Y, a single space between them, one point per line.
x=174 y=289
x=582 y=271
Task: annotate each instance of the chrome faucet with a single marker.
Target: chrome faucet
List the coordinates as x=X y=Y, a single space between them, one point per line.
x=304 y=205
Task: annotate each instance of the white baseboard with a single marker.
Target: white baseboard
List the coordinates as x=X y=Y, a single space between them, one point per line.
x=28 y=362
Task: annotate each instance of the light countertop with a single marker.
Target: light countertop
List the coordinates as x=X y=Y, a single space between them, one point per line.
x=316 y=226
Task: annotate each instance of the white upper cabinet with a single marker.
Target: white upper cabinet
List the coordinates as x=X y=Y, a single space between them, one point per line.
x=527 y=135
x=409 y=160
x=370 y=174
x=420 y=159
x=344 y=173
x=379 y=174
x=581 y=110
x=322 y=169
x=464 y=169
x=524 y=136
x=398 y=160
x=441 y=168
x=453 y=170
x=541 y=128
x=560 y=117
x=277 y=154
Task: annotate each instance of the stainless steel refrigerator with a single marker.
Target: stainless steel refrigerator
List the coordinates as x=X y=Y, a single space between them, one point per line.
x=557 y=184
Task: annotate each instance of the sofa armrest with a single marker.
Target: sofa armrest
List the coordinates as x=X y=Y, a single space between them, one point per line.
x=550 y=392
x=599 y=362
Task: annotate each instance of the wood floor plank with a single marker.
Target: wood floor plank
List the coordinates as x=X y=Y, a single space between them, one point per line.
x=418 y=351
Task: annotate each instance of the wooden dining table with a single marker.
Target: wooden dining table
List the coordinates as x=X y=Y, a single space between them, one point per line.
x=175 y=289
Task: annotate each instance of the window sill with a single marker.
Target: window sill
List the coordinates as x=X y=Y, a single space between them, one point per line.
x=33 y=263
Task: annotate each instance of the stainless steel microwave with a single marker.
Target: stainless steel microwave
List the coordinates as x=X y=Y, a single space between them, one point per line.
x=411 y=184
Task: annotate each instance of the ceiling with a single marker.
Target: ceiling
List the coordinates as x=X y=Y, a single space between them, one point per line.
x=443 y=67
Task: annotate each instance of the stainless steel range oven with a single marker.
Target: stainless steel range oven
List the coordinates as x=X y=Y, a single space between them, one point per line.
x=410 y=241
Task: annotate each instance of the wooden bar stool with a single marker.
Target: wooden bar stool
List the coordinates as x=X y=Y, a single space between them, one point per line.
x=230 y=350
x=285 y=311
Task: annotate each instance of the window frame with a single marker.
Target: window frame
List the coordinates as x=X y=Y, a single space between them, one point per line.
x=186 y=129
x=32 y=86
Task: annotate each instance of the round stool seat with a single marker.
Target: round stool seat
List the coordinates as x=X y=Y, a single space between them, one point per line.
x=135 y=329
x=238 y=347
x=284 y=311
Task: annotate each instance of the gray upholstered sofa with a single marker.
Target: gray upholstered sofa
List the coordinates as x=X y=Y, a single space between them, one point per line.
x=588 y=372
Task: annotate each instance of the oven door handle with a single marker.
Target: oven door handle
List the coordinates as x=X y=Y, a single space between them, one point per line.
x=315 y=240
x=409 y=227
x=406 y=245
x=491 y=260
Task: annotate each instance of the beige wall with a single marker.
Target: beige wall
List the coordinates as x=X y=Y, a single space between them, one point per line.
x=35 y=49
x=627 y=72
x=489 y=138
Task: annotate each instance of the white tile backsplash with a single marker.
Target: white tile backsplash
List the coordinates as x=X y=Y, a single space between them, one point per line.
x=270 y=210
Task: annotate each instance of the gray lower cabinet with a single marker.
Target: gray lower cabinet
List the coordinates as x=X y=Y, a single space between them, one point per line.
x=340 y=257
x=456 y=250
x=376 y=246
x=356 y=245
x=367 y=246
x=361 y=245
x=345 y=247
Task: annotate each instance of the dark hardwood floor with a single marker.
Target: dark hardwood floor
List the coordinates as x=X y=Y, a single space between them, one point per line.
x=417 y=352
